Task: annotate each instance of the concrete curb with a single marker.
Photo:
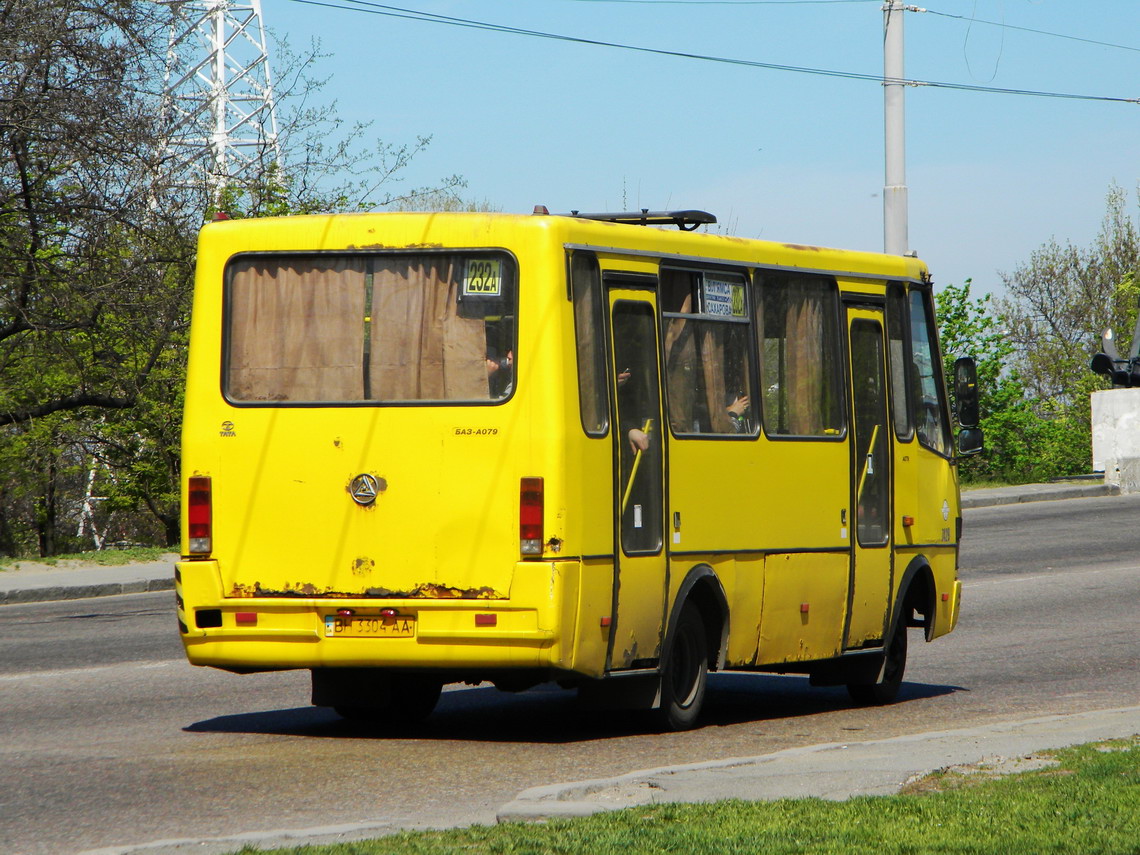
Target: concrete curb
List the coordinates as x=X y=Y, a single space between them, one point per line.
x=54 y=593
x=992 y=497
x=257 y=840
x=834 y=771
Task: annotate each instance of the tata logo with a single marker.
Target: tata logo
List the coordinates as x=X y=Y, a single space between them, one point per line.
x=364 y=489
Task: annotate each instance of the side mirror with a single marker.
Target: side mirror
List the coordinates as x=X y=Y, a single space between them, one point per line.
x=966 y=391
x=970 y=442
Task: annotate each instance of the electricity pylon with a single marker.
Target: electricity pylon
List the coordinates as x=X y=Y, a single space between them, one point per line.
x=218 y=92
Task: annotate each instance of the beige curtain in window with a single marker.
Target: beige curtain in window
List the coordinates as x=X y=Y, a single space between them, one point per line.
x=680 y=372
x=712 y=364
x=804 y=372
x=421 y=348
x=294 y=330
x=588 y=327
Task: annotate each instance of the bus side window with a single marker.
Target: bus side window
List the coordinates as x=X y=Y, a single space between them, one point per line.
x=902 y=397
x=801 y=368
x=708 y=367
x=593 y=398
x=931 y=418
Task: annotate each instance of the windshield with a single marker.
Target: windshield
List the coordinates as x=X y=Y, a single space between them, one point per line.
x=340 y=328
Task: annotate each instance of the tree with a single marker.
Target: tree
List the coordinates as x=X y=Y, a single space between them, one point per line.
x=1063 y=297
x=98 y=226
x=1058 y=304
x=1026 y=440
x=77 y=143
x=95 y=266
x=1033 y=348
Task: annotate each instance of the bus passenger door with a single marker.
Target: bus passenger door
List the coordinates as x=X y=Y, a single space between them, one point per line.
x=639 y=572
x=869 y=592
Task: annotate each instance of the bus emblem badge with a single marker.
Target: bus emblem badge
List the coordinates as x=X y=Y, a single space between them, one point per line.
x=363 y=489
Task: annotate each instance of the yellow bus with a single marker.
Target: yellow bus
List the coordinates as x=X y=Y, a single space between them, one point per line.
x=428 y=448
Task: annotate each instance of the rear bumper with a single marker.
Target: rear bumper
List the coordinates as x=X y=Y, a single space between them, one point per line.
x=532 y=628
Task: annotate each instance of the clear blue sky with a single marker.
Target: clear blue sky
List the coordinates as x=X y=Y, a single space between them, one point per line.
x=774 y=154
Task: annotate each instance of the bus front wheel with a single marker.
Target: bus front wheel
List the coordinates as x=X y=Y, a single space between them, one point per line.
x=886 y=688
x=685 y=675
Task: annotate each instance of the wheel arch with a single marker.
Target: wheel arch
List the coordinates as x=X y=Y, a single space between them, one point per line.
x=916 y=595
x=703 y=588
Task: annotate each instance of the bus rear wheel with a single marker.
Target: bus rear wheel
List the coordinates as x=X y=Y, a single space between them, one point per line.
x=685 y=676
x=886 y=688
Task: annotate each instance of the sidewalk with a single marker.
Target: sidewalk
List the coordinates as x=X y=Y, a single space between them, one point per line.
x=30 y=582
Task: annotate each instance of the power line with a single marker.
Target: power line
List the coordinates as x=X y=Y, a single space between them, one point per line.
x=729 y=2
x=365 y=6
x=1028 y=30
x=966 y=18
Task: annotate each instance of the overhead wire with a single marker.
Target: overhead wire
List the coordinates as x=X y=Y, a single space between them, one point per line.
x=1006 y=26
x=968 y=18
x=966 y=45
x=385 y=10
x=729 y=2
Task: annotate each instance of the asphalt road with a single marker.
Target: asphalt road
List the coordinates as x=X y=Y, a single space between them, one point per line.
x=110 y=738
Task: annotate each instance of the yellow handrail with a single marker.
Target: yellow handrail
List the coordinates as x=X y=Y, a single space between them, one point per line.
x=633 y=471
x=867 y=462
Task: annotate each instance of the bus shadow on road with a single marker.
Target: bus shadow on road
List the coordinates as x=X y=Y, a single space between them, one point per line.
x=550 y=715
x=737 y=698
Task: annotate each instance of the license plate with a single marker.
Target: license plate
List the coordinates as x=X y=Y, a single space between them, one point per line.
x=363 y=626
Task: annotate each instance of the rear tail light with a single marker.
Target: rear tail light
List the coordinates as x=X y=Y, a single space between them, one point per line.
x=199 y=514
x=530 y=516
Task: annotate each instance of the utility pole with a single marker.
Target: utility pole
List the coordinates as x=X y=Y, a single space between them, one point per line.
x=895 y=238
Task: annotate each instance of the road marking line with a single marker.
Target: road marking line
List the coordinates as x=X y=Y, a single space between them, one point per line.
x=95 y=669
x=1053 y=577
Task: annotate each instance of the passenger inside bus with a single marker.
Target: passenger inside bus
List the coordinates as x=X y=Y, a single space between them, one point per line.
x=739 y=405
x=500 y=373
x=706 y=363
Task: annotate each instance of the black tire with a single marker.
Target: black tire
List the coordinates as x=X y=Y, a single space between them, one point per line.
x=685 y=676
x=411 y=698
x=886 y=688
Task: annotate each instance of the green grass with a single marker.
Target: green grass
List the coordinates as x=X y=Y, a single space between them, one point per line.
x=102 y=557
x=1089 y=802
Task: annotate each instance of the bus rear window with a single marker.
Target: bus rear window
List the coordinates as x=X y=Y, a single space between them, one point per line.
x=339 y=328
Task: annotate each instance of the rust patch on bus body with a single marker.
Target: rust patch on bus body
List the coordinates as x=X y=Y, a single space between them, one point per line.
x=301 y=589
x=804 y=247
x=362 y=566
x=426 y=591
x=435 y=591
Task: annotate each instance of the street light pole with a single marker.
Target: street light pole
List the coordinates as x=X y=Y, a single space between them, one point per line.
x=895 y=238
